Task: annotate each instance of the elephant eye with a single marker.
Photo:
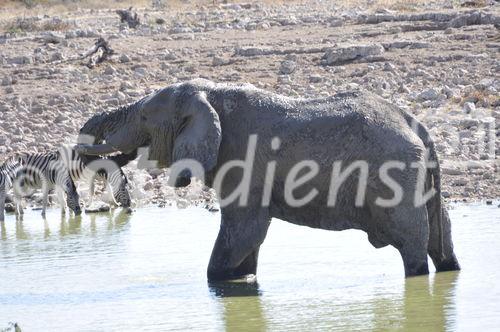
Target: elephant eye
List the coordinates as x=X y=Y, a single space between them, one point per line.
x=143 y=118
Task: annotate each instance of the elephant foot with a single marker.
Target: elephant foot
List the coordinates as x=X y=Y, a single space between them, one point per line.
x=245 y=272
x=415 y=261
x=449 y=264
x=232 y=288
x=419 y=270
x=231 y=277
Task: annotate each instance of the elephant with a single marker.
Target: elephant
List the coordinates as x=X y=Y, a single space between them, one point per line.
x=215 y=124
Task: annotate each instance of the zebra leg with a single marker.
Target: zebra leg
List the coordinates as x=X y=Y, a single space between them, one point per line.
x=3 y=196
x=19 y=205
x=62 y=202
x=112 y=194
x=91 y=189
x=45 y=201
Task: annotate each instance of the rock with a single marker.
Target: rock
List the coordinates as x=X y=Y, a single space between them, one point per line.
x=336 y=22
x=7 y=80
x=469 y=107
x=287 y=67
x=468 y=123
x=451 y=171
x=315 y=79
x=489 y=202
x=460 y=182
x=124 y=58
x=252 y=51
x=339 y=56
x=109 y=70
x=125 y=85
x=52 y=37
x=97 y=207
x=389 y=67
x=475 y=164
x=169 y=56
x=429 y=94
x=220 y=61
x=403 y=89
x=20 y=60
x=57 y=56
x=9 y=89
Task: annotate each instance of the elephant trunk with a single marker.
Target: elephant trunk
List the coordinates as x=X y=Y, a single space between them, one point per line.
x=94 y=131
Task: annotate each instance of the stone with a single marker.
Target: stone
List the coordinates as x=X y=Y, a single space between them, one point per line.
x=109 y=70
x=451 y=171
x=20 y=60
x=125 y=85
x=169 y=56
x=287 y=67
x=315 y=79
x=429 y=94
x=7 y=80
x=57 y=56
x=52 y=37
x=469 y=107
x=468 y=123
x=341 y=55
x=220 y=61
x=97 y=207
x=124 y=58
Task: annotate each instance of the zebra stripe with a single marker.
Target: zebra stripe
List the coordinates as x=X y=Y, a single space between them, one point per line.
x=46 y=171
x=89 y=168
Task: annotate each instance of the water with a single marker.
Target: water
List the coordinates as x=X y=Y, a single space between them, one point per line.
x=147 y=272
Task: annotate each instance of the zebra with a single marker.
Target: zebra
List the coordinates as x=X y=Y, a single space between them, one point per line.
x=61 y=169
x=46 y=171
x=108 y=169
x=8 y=173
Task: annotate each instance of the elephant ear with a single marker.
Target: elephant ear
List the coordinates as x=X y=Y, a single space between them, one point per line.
x=200 y=134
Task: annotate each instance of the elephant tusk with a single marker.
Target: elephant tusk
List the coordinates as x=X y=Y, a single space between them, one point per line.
x=95 y=150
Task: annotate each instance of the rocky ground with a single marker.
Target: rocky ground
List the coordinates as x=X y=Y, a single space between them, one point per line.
x=439 y=61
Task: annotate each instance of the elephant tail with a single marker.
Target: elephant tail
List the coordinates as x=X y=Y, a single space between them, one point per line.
x=434 y=205
x=432 y=181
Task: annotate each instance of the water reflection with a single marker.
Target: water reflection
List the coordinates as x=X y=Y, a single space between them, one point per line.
x=241 y=305
x=68 y=224
x=430 y=306
x=426 y=302
x=21 y=234
x=148 y=270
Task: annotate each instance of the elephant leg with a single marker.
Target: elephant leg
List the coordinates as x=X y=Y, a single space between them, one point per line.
x=249 y=264
x=406 y=228
x=447 y=261
x=414 y=260
x=236 y=249
x=411 y=235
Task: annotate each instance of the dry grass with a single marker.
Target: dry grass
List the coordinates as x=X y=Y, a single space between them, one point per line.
x=29 y=24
